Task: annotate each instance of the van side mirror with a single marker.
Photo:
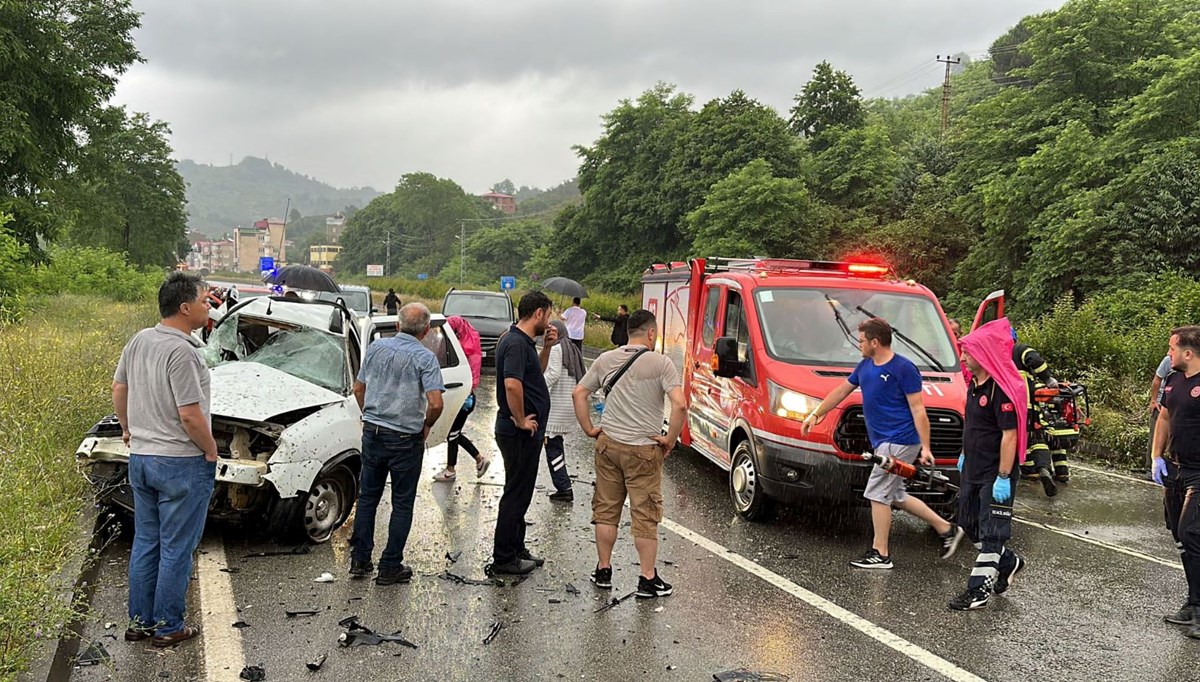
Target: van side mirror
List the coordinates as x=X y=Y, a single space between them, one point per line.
x=725 y=358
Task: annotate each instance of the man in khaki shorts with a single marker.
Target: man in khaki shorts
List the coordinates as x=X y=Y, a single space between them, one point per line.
x=630 y=447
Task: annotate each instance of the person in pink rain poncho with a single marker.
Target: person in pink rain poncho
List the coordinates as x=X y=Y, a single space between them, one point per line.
x=469 y=338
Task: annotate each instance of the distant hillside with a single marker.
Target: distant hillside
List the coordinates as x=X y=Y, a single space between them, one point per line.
x=534 y=201
x=223 y=197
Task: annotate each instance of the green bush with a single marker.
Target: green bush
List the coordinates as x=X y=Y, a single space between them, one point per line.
x=13 y=273
x=70 y=344
x=90 y=271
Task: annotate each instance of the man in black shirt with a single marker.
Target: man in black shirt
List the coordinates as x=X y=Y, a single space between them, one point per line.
x=1179 y=470
x=620 y=322
x=985 y=500
x=391 y=302
x=524 y=408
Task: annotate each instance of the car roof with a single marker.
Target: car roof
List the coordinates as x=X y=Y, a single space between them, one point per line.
x=315 y=314
x=354 y=287
x=477 y=292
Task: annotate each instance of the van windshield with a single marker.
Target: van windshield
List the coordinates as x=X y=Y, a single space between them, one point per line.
x=355 y=299
x=478 y=305
x=800 y=326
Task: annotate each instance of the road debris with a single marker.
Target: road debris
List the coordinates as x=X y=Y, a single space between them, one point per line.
x=744 y=675
x=301 y=612
x=460 y=580
x=315 y=664
x=357 y=634
x=453 y=557
x=241 y=624
x=571 y=589
x=324 y=578
x=254 y=673
x=495 y=630
x=296 y=551
x=615 y=601
x=95 y=654
x=230 y=570
x=555 y=601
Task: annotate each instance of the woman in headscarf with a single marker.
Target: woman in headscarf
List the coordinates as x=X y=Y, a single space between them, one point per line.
x=469 y=338
x=564 y=369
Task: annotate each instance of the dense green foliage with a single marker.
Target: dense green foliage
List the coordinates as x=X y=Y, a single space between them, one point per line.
x=221 y=198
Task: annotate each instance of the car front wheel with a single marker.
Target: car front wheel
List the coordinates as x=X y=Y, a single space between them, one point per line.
x=315 y=516
x=745 y=488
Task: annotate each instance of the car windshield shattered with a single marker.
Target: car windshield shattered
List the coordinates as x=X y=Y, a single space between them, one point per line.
x=310 y=354
x=819 y=326
x=467 y=305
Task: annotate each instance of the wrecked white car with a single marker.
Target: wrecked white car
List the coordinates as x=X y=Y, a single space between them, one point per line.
x=287 y=426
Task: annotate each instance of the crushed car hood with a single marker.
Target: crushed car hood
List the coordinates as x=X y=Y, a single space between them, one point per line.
x=255 y=392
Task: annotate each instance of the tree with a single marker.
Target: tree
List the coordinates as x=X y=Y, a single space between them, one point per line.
x=856 y=167
x=505 y=186
x=124 y=192
x=59 y=62
x=829 y=98
x=752 y=212
x=505 y=248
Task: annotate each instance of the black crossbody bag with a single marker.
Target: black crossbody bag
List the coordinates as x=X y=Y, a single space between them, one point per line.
x=608 y=387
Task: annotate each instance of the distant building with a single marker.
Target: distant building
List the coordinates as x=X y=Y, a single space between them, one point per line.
x=334 y=226
x=266 y=238
x=213 y=255
x=506 y=203
x=323 y=255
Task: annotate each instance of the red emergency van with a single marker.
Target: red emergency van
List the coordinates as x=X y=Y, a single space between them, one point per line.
x=759 y=343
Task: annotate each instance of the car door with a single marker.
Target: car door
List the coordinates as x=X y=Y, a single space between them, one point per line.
x=707 y=421
x=992 y=308
x=456 y=373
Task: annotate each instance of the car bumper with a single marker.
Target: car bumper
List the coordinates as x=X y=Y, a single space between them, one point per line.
x=105 y=463
x=792 y=474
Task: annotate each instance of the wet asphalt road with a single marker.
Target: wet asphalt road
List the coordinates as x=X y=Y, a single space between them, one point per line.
x=1081 y=611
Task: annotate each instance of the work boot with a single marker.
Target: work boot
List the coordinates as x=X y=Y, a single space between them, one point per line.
x=394 y=576
x=1184 y=616
x=361 y=569
x=1048 y=482
x=517 y=566
x=1029 y=472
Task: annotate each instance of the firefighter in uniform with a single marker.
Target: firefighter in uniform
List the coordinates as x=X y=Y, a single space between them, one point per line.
x=1176 y=466
x=1040 y=457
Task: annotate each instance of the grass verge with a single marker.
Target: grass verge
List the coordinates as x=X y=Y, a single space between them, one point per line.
x=57 y=376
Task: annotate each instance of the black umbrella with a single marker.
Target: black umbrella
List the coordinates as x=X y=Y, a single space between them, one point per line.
x=302 y=277
x=565 y=286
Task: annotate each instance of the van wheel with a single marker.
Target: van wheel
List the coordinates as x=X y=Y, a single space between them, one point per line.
x=315 y=515
x=749 y=500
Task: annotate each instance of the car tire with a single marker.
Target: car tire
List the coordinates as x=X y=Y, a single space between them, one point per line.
x=745 y=491
x=315 y=515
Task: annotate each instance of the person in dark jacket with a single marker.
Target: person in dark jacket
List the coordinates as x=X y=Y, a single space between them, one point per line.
x=391 y=302
x=620 y=323
x=1036 y=373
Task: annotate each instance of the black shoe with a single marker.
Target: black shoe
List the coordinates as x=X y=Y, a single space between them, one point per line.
x=970 y=600
x=517 y=566
x=1048 y=482
x=951 y=540
x=872 y=559
x=1005 y=580
x=537 y=561
x=563 y=496
x=400 y=576
x=1185 y=616
x=361 y=569
x=602 y=577
x=649 y=589
x=1194 y=632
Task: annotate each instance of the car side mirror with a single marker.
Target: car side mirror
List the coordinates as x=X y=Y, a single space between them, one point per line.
x=725 y=363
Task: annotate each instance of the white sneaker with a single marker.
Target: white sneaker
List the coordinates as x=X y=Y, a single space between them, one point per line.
x=445 y=475
x=481 y=465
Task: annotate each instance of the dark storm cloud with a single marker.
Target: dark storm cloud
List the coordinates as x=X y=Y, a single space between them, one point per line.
x=360 y=92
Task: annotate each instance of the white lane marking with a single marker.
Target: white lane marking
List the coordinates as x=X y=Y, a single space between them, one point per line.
x=1100 y=543
x=886 y=637
x=223 y=655
x=1113 y=474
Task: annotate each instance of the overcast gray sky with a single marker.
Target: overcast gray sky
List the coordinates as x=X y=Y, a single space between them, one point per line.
x=359 y=92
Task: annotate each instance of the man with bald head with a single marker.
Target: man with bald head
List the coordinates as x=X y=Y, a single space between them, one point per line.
x=399 y=390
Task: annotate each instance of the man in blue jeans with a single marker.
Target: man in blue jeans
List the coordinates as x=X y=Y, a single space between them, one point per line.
x=399 y=389
x=160 y=393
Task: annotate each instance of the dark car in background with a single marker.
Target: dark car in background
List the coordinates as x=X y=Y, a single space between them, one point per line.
x=491 y=313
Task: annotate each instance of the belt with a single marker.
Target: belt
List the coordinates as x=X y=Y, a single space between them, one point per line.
x=377 y=429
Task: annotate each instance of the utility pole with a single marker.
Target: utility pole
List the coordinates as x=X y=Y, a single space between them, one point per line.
x=462 y=254
x=948 y=61
x=387 y=258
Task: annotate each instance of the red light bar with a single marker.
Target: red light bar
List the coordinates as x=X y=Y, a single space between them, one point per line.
x=867 y=269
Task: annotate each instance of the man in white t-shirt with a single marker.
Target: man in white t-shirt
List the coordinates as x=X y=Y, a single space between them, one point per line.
x=575 y=317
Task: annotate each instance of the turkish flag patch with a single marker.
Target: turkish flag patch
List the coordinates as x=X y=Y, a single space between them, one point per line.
x=1007 y=407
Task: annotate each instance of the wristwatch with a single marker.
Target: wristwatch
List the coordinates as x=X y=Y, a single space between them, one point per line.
x=1004 y=476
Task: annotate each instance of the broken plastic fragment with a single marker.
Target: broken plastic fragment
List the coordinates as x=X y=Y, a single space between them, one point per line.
x=95 y=654
x=555 y=601
x=324 y=578
x=744 y=675
x=453 y=557
x=315 y=664
x=495 y=630
x=241 y=624
x=302 y=549
x=302 y=612
x=614 y=602
x=571 y=589
x=232 y=569
x=458 y=579
x=254 y=673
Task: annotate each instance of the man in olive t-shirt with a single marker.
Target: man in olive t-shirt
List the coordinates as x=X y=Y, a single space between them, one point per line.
x=161 y=396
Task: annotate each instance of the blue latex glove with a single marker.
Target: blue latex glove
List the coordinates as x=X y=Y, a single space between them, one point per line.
x=1002 y=490
x=469 y=403
x=960 y=461
x=1160 y=470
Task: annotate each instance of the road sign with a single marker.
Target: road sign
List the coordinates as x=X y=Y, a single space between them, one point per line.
x=266 y=263
x=423 y=276
x=374 y=271
x=508 y=283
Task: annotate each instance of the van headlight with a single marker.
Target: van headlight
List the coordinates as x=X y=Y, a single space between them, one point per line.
x=790 y=404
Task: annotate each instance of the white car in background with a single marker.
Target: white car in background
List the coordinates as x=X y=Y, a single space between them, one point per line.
x=288 y=428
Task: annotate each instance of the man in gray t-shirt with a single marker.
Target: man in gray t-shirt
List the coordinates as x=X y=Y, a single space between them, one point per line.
x=161 y=396
x=630 y=446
